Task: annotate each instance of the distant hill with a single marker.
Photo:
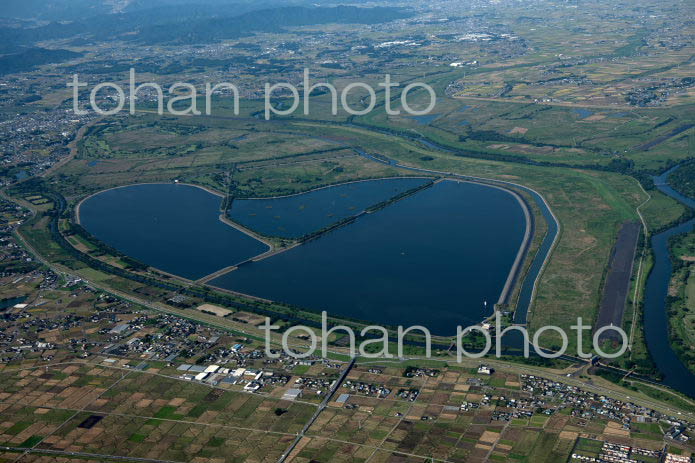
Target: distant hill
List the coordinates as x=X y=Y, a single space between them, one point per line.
x=54 y=10
x=79 y=10
x=266 y=20
x=197 y=23
x=27 y=60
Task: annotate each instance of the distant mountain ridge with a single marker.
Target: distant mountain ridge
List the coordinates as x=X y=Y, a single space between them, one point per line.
x=198 y=23
x=267 y=20
x=79 y=10
x=54 y=10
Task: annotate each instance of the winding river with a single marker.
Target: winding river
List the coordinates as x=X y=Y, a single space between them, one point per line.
x=676 y=375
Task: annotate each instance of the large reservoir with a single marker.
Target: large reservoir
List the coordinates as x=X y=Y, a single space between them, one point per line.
x=175 y=228
x=434 y=258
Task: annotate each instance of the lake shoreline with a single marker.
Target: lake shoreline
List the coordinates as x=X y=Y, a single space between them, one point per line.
x=512 y=276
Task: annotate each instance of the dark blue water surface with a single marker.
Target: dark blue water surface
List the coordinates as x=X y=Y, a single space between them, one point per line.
x=175 y=228
x=425 y=119
x=656 y=336
x=298 y=215
x=583 y=113
x=433 y=259
x=11 y=302
x=525 y=300
x=528 y=285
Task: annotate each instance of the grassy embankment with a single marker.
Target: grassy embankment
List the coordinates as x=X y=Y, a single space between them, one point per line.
x=681 y=298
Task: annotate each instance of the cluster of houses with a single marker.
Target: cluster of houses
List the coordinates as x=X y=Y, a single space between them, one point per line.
x=671 y=458
x=616 y=453
x=677 y=433
x=377 y=390
x=466 y=406
x=515 y=408
x=318 y=385
x=547 y=393
x=36 y=140
x=214 y=375
x=408 y=394
x=415 y=372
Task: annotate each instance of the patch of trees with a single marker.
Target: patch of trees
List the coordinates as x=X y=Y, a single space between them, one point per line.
x=332 y=65
x=454 y=151
x=31 y=185
x=398 y=197
x=688 y=215
x=488 y=135
x=676 y=262
x=28 y=59
x=683 y=180
x=29 y=99
x=18 y=267
x=492 y=136
x=102 y=248
x=341 y=223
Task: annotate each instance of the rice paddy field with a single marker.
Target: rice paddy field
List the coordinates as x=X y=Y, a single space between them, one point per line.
x=104 y=408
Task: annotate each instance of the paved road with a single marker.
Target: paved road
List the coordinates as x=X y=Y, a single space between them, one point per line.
x=316 y=414
x=96 y=456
